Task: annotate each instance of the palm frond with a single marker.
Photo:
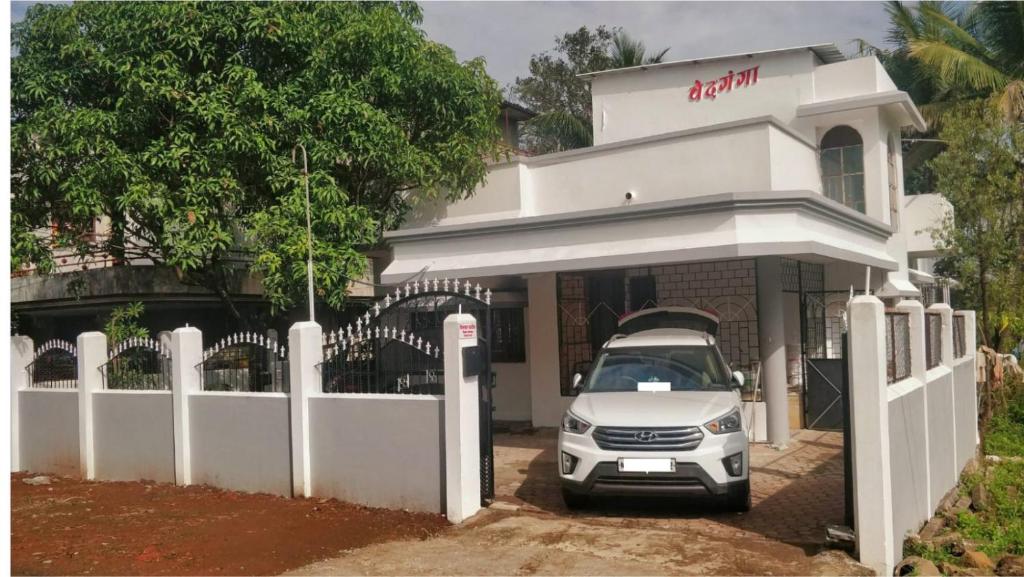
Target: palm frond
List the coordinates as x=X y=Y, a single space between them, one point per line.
x=938 y=25
x=559 y=130
x=904 y=26
x=657 y=58
x=956 y=66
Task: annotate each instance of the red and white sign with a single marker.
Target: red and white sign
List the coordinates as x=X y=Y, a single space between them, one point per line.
x=467 y=331
x=712 y=88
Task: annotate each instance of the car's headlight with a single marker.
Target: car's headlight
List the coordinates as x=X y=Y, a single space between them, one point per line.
x=730 y=422
x=573 y=424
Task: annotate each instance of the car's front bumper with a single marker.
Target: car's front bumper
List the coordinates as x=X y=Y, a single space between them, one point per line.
x=700 y=471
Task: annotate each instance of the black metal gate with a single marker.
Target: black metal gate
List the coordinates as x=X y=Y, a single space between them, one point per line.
x=395 y=347
x=823 y=328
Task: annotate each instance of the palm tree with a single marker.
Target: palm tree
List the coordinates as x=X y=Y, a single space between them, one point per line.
x=964 y=53
x=628 y=52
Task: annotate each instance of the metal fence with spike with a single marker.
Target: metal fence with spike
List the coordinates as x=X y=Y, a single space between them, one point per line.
x=381 y=360
x=245 y=362
x=54 y=366
x=138 y=363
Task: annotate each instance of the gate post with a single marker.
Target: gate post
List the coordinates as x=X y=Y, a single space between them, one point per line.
x=869 y=408
x=21 y=355
x=461 y=421
x=92 y=353
x=305 y=352
x=186 y=355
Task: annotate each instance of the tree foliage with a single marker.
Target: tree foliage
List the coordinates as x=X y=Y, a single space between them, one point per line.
x=628 y=52
x=981 y=173
x=562 y=99
x=177 y=120
x=951 y=53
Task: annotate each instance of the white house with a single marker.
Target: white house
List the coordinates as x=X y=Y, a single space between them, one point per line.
x=762 y=185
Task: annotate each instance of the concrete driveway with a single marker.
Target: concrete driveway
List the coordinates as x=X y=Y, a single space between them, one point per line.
x=528 y=531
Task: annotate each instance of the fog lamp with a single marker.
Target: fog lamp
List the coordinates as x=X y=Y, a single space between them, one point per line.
x=734 y=464
x=568 y=463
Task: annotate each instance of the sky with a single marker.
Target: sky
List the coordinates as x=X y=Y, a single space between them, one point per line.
x=506 y=34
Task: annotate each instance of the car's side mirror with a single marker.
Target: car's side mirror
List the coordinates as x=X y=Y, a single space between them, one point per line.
x=577 y=382
x=737 y=379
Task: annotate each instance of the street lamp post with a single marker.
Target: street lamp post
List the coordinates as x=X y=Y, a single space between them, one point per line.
x=309 y=228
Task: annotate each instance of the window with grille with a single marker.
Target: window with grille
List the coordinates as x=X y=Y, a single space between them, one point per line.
x=508 y=334
x=933 y=339
x=842 y=167
x=897 y=346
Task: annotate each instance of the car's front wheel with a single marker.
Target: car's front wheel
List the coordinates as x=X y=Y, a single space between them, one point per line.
x=574 y=500
x=738 y=498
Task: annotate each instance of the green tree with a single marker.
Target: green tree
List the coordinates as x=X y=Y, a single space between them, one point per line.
x=177 y=120
x=981 y=173
x=560 y=98
x=628 y=52
x=963 y=52
x=124 y=323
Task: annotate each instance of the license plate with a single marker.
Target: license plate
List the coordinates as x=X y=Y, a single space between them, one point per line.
x=647 y=465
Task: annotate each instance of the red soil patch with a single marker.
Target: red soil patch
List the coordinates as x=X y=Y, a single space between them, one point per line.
x=74 y=527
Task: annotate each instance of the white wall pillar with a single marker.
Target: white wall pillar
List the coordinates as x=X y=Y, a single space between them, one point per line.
x=918 y=371
x=92 y=353
x=971 y=349
x=22 y=351
x=461 y=422
x=869 y=405
x=771 y=342
x=305 y=352
x=186 y=356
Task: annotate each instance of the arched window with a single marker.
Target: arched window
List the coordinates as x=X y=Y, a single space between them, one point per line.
x=842 y=166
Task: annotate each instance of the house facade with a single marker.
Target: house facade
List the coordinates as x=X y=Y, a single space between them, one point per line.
x=765 y=186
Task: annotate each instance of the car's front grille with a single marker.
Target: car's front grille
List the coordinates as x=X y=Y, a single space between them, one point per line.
x=648 y=438
x=646 y=481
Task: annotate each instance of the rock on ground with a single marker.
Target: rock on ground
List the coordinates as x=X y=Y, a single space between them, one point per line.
x=1010 y=565
x=917 y=566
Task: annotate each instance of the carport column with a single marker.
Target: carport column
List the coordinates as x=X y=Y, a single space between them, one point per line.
x=304 y=354
x=771 y=341
x=22 y=350
x=869 y=408
x=186 y=364
x=92 y=353
x=461 y=422
x=918 y=370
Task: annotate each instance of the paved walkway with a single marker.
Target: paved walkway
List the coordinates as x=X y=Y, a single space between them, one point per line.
x=527 y=531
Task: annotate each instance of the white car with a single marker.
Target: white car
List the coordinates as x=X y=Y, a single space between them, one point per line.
x=658 y=413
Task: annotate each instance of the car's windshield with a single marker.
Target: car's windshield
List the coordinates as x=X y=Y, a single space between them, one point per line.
x=677 y=368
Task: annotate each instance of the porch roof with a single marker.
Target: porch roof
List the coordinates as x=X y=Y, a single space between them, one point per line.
x=720 y=226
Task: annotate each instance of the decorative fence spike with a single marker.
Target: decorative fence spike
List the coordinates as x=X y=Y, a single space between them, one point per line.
x=410 y=337
x=456 y=286
x=376 y=332
x=487 y=296
x=398 y=294
x=403 y=336
x=477 y=291
x=387 y=301
x=415 y=287
x=359 y=324
x=419 y=343
x=349 y=329
x=468 y=288
x=435 y=284
x=376 y=310
x=407 y=290
x=366 y=318
x=445 y=284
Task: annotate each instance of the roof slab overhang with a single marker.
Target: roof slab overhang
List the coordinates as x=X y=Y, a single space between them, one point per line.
x=798 y=224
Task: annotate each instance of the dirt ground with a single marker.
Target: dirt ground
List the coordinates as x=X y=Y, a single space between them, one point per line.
x=528 y=531
x=73 y=527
